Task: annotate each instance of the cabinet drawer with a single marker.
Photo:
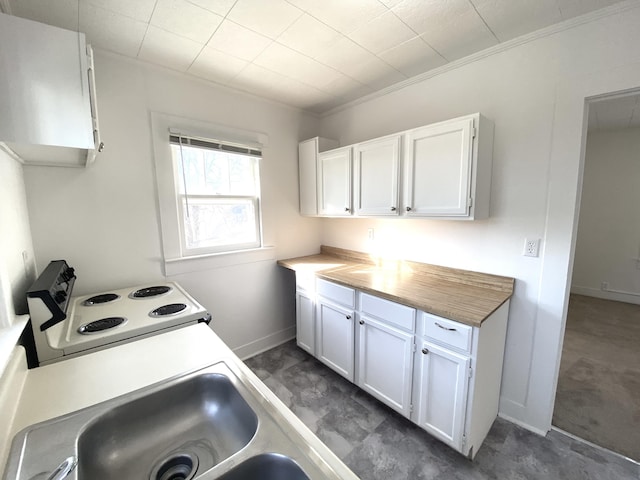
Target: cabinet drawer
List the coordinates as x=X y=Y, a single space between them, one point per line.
x=447 y=332
x=337 y=293
x=392 y=313
x=306 y=281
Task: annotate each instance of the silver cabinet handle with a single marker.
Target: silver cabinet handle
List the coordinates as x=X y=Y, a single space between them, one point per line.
x=425 y=351
x=361 y=322
x=446 y=328
x=393 y=209
x=408 y=209
x=348 y=317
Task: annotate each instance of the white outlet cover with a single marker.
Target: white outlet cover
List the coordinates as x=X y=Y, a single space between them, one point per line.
x=531 y=247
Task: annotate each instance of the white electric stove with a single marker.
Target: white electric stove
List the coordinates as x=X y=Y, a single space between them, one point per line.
x=66 y=326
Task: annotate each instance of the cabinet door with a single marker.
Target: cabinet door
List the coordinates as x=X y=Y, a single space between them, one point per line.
x=334 y=182
x=44 y=98
x=335 y=338
x=308 y=182
x=305 y=322
x=438 y=172
x=444 y=380
x=376 y=166
x=385 y=364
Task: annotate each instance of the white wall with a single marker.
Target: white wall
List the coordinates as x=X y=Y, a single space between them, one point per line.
x=104 y=220
x=17 y=265
x=608 y=242
x=535 y=94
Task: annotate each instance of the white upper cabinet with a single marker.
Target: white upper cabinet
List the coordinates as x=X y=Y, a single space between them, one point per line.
x=437 y=167
x=307 y=172
x=45 y=94
x=446 y=171
x=376 y=170
x=334 y=182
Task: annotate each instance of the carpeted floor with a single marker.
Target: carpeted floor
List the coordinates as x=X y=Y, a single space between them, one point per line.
x=598 y=396
x=379 y=444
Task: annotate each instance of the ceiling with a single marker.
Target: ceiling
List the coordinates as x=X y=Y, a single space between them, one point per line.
x=613 y=113
x=311 y=54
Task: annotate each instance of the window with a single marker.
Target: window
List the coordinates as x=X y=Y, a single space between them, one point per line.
x=217 y=193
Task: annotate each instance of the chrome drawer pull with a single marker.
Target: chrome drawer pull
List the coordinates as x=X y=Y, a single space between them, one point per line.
x=445 y=328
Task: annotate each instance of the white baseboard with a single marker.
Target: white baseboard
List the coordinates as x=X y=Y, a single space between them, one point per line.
x=263 y=344
x=607 y=294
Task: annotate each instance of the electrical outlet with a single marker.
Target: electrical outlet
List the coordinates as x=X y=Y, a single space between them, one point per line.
x=604 y=286
x=531 y=247
x=371 y=234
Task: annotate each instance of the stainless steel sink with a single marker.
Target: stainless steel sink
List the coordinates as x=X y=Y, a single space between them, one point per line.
x=195 y=423
x=208 y=424
x=269 y=466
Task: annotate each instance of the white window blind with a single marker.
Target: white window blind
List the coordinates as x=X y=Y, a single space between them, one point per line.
x=217 y=194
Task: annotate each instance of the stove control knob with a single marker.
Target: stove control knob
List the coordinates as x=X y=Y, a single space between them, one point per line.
x=60 y=296
x=68 y=274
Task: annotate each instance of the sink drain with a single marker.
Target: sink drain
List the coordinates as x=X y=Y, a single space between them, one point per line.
x=180 y=466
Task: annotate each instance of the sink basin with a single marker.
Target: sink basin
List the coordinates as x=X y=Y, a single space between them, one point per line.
x=188 y=427
x=213 y=423
x=268 y=466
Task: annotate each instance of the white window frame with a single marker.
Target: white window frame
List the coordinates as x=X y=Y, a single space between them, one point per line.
x=176 y=258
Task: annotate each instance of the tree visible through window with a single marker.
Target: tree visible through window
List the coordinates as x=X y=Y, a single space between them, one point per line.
x=218 y=194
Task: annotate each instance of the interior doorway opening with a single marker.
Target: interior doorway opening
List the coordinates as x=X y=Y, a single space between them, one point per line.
x=598 y=391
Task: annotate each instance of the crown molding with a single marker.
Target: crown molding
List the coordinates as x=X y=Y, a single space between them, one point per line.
x=501 y=47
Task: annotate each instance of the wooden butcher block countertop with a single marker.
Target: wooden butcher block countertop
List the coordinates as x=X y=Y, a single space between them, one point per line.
x=461 y=295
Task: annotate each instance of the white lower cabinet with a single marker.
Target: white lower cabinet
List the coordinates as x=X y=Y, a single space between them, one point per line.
x=441 y=374
x=385 y=363
x=305 y=322
x=335 y=338
x=444 y=380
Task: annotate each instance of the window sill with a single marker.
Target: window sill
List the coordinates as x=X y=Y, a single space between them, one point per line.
x=197 y=263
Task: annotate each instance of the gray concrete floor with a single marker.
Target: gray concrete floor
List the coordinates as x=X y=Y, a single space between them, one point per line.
x=598 y=395
x=379 y=444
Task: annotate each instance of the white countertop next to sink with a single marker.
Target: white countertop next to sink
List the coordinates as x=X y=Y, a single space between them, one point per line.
x=53 y=390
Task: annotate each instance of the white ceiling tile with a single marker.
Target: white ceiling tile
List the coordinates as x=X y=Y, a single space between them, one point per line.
x=111 y=31
x=341 y=15
x=423 y=16
x=185 y=19
x=573 y=8
x=370 y=34
x=269 y=18
x=461 y=36
x=377 y=74
x=344 y=55
x=309 y=36
x=168 y=49
x=217 y=66
x=64 y=15
x=413 y=57
x=509 y=19
x=279 y=87
x=292 y=64
x=238 y=41
x=221 y=7
x=391 y=3
x=344 y=89
x=138 y=9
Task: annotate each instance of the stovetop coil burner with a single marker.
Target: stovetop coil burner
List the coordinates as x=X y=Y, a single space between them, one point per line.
x=150 y=291
x=166 y=310
x=98 y=326
x=100 y=299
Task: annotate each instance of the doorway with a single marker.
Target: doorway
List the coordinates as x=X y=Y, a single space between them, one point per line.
x=598 y=392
